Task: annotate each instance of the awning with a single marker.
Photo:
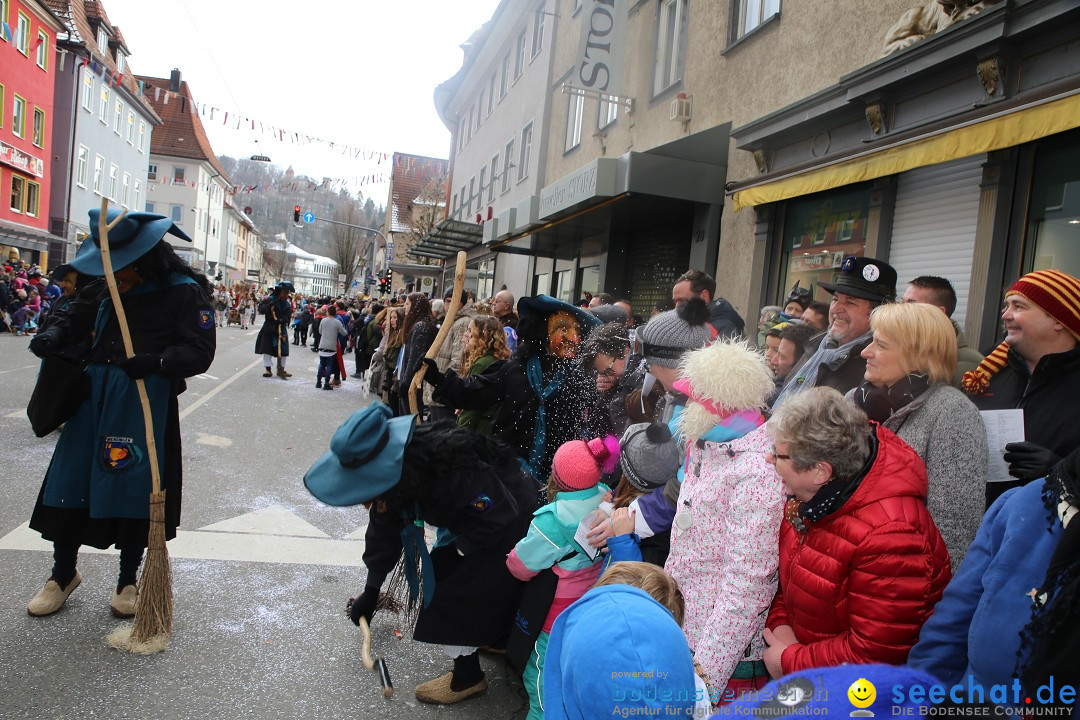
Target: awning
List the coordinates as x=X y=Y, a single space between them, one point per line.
x=1006 y=129
x=30 y=238
x=447 y=238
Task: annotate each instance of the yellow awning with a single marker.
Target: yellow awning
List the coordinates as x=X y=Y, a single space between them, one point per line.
x=1014 y=128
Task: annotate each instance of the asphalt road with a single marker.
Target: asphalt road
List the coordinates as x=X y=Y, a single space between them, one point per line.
x=261 y=571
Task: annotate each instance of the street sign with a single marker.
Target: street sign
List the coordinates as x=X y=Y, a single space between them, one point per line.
x=309 y=217
x=341 y=286
x=341 y=277
x=356 y=283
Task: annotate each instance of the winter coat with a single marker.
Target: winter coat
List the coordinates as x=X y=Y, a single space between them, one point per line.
x=858 y=585
x=449 y=356
x=1050 y=398
x=974 y=633
x=479 y=420
x=725 y=319
x=274 y=334
x=844 y=377
x=967 y=358
x=370 y=339
x=725 y=559
x=550 y=539
x=416 y=346
x=330 y=329
x=947 y=432
x=507 y=382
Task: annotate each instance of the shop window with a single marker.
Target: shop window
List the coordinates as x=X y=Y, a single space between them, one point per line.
x=1053 y=225
x=748 y=15
x=670 y=42
x=819 y=231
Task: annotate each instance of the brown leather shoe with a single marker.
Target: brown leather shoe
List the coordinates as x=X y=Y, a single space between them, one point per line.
x=123 y=602
x=52 y=597
x=438 y=691
x=283 y=375
x=268 y=373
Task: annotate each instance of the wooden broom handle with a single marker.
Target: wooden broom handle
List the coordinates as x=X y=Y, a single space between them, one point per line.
x=451 y=315
x=129 y=350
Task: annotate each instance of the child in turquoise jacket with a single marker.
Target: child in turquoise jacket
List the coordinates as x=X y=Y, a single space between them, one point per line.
x=574 y=490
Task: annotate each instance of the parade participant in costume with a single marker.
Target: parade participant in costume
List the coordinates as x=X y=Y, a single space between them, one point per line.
x=273 y=339
x=544 y=366
x=727 y=526
x=574 y=490
x=97 y=487
x=1036 y=368
x=470 y=486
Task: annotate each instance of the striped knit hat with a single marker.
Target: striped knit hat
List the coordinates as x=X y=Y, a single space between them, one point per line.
x=1057 y=294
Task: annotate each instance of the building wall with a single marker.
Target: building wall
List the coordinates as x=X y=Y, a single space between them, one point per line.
x=200 y=199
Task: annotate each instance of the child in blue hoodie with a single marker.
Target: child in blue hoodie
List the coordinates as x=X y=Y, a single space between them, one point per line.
x=574 y=490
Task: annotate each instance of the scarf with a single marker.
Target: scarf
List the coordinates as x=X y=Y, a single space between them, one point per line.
x=879 y=403
x=828 y=354
x=535 y=375
x=419 y=572
x=830 y=498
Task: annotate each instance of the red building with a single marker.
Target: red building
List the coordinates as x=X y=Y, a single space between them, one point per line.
x=27 y=65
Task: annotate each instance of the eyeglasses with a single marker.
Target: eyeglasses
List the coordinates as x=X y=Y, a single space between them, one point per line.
x=778 y=456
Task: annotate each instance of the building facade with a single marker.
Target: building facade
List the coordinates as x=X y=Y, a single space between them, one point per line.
x=238 y=237
x=28 y=30
x=416 y=205
x=185 y=180
x=101 y=127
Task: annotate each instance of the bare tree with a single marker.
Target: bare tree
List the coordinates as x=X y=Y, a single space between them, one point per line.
x=279 y=266
x=426 y=211
x=349 y=245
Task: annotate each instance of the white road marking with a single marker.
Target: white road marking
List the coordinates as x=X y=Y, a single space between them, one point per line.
x=274 y=520
x=253 y=332
x=205 y=376
x=198 y=403
x=358 y=533
x=24 y=367
x=212 y=440
x=16 y=414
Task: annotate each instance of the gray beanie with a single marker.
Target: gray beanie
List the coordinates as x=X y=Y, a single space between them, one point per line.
x=670 y=334
x=649 y=455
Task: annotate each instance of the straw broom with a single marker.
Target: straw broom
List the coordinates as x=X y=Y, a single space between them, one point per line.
x=154 y=607
x=451 y=315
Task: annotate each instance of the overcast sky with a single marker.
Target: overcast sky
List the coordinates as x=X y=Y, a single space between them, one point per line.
x=357 y=72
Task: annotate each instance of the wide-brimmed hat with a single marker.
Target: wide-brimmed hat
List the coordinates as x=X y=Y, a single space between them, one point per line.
x=133 y=237
x=284 y=284
x=364 y=460
x=545 y=305
x=865 y=278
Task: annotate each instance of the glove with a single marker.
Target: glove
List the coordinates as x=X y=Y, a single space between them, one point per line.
x=433 y=376
x=140 y=365
x=363 y=606
x=41 y=343
x=1028 y=461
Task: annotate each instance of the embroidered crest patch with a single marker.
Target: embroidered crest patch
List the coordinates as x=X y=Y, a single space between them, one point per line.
x=119 y=453
x=206 y=319
x=481 y=503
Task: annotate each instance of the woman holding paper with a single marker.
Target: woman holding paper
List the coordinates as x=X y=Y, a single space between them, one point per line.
x=906 y=388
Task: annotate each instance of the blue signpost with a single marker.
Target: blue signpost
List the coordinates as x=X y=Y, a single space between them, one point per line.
x=309 y=217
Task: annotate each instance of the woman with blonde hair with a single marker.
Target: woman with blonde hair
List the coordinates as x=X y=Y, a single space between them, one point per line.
x=909 y=369
x=484 y=345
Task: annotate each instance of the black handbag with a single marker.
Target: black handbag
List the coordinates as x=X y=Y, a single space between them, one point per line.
x=61 y=387
x=529 y=619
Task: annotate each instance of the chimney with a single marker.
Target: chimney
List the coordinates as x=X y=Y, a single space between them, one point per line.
x=174 y=80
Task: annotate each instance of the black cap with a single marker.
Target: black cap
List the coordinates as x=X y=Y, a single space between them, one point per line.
x=865 y=278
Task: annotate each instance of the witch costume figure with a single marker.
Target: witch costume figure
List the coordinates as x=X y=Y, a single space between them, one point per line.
x=545 y=394
x=470 y=487
x=273 y=339
x=97 y=487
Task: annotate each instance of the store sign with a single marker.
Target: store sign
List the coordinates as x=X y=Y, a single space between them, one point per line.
x=821 y=261
x=597 y=179
x=19 y=160
x=603 y=40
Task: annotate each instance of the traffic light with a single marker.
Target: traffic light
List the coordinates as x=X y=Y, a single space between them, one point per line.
x=296 y=214
x=389 y=279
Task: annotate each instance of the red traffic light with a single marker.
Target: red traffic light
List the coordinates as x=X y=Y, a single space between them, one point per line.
x=296 y=209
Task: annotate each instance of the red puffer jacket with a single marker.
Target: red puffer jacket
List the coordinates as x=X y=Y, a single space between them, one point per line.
x=858 y=586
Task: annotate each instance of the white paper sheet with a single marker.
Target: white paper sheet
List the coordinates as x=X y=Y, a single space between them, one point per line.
x=581 y=536
x=1002 y=427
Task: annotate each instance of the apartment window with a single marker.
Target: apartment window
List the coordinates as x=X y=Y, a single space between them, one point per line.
x=465 y=205
x=39 y=127
x=178 y=174
x=138 y=194
x=519 y=63
x=130 y=128
x=151 y=207
x=504 y=85
x=574 y=113
x=151 y=172
x=22 y=35
x=526 y=152
x=494 y=175
x=42 y=52
x=538 y=30
x=125 y=190
x=468 y=125
x=177 y=213
x=84 y=161
x=118 y=113
x=670 y=35
x=120 y=61
x=472 y=194
x=454 y=207
x=99 y=170
x=33 y=198
x=483 y=184
x=18 y=193
x=142 y=136
x=87 y=90
x=491 y=94
x=607 y=113
x=508 y=159
x=103 y=108
x=752 y=13
x=102 y=40
x=479 y=109
x=113 y=171
x=18 y=117
x=3 y=16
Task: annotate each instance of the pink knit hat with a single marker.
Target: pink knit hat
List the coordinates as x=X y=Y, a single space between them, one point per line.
x=579 y=465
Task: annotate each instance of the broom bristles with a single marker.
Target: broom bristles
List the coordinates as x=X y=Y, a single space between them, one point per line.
x=154 y=606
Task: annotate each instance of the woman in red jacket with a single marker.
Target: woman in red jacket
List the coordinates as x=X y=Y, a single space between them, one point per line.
x=861 y=562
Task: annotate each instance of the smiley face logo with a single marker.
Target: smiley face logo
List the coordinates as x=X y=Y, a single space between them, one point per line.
x=862 y=694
